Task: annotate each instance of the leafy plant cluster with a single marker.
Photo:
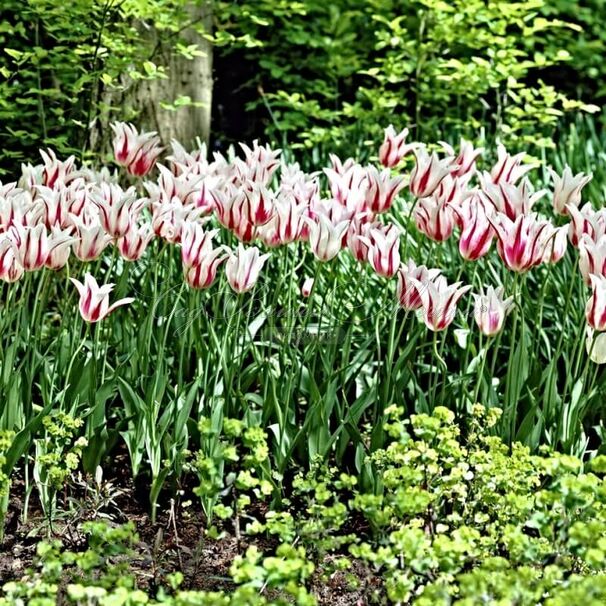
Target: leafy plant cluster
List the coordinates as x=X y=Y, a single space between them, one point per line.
x=65 y=66
x=330 y=73
x=445 y=520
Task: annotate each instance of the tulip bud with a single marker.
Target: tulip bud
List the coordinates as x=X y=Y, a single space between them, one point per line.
x=384 y=251
x=477 y=235
x=595 y=310
x=307 y=287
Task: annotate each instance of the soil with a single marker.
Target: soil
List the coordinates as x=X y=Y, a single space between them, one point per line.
x=177 y=541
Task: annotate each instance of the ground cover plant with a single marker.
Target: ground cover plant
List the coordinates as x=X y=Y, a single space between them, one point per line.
x=235 y=330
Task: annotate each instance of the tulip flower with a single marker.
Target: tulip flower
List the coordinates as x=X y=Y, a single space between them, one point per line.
x=509 y=199
x=508 y=169
x=490 y=310
x=137 y=152
x=592 y=257
x=60 y=243
x=325 y=237
x=287 y=223
x=307 y=287
x=382 y=189
x=585 y=221
x=384 y=251
x=464 y=162
x=595 y=310
x=411 y=278
x=91 y=238
x=133 y=243
x=555 y=247
x=521 y=243
x=439 y=301
x=428 y=173
x=357 y=237
x=394 y=147
x=55 y=172
x=94 y=299
x=10 y=268
x=434 y=218
x=348 y=187
x=567 y=189
x=235 y=213
x=595 y=345
x=262 y=205
x=243 y=267
x=195 y=243
x=477 y=232
x=203 y=274
x=33 y=245
x=117 y=208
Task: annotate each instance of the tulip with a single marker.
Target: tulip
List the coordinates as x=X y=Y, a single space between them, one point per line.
x=428 y=173
x=195 y=243
x=434 y=218
x=133 y=243
x=439 y=301
x=262 y=205
x=595 y=310
x=477 y=235
x=307 y=287
x=94 y=299
x=521 y=243
x=325 y=237
x=567 y=189
x=382 y=189
x=32 y=246
x=235 y=213
x=508 y=169
x=592 y=257
x=243 y=267
x=55 y=172
x=394 y=147
x=490 y=310
x=287 y=223
x=410 y=277
x=60 y=243
x=348 y=187
x=260 y=163
x=117 y=208
x=464 y=161
x=556 y=245
x=137 y=152
x=585 y=221
x=509 y=199
x=595 y=345
x=10 y=268
x=204 y=273
x=92 y=239
x=384 y=251
x=357 y=237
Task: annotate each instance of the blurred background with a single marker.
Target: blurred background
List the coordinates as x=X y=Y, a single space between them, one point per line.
x=309 y=75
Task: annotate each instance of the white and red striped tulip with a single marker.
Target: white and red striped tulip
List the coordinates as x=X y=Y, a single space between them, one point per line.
x=118 y=209
x=138 y=153
x=465 y=160
x=134 y=242
x=60 y=244
x=434 y=218
x=195 y=243
x=384 y=250
x=508 y=168
x=204 y=273
x=477 y=232
x=595 y=310
x=567 y=189
x=429 y=171
x=490 y=310
x=243 y=267
x=56 y=173
x=509 y=199
x=394 y=147
x=287 y=223
x=592 y=257
x=92 y=239
x=410 y=279
x=521 y=243
x=555 y=249
x=440 y=301
x=10 y=268
x=382 y=190
x=326 y=237
x=94 y=299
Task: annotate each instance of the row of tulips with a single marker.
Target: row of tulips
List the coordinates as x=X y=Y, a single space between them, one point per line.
x=56 y=210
